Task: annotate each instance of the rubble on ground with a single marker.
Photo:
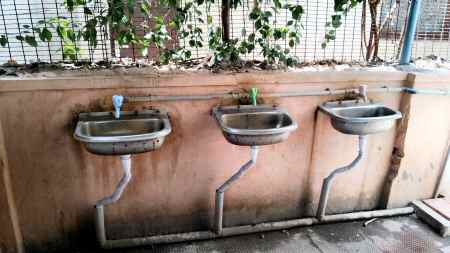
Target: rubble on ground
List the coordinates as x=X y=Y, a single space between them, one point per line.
x=143 y=66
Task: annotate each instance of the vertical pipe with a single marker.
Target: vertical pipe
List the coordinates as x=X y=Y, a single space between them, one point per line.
x=414 y=12
x=326 y=186
x=218 y=214
x=100 y=225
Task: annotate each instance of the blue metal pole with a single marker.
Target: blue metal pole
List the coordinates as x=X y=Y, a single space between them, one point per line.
x=414 y=12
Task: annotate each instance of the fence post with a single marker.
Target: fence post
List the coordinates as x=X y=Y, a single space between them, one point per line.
x=414 y=12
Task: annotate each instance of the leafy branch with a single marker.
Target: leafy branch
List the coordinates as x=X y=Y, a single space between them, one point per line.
x=119 y=18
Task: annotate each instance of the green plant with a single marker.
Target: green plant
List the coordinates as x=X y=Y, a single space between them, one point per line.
x=267 y=36
x=186 y=19
x=341 y=9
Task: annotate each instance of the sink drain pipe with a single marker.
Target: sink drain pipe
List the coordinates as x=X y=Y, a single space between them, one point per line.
x=219 y=230
x=218 y=217
x=100 y=219
x=326 y=186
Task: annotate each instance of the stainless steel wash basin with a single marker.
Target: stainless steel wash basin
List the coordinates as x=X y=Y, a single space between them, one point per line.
x=134 y=132
x=360 y=118
x=249 y=125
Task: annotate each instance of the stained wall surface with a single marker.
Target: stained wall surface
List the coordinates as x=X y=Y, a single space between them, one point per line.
x=55 y=182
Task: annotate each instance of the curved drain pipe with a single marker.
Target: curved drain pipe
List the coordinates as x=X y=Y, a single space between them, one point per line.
x=326 y=186
x=220 y=231
x=126 y=166
x=100 y=218
x=218 y=218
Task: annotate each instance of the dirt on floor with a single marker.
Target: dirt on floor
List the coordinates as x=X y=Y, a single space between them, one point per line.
x=400 y=234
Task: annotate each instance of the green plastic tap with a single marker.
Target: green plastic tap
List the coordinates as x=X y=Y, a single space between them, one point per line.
x=253 y=94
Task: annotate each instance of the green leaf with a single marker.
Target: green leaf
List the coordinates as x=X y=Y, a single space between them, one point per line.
x=31 y=40
x=251 y=37
x=62 y=32
x=45 y=35
x=69 y=5
x=20 y=38
x=277 y=34
x=187 y=54
x=291 y=43
x=336 y=21
x=71 y=35
x=145 y=7
x=159 y=20
x=297 y=11
x=87 y=11
x=277 y=3
x=3 y=40
x=70 y=51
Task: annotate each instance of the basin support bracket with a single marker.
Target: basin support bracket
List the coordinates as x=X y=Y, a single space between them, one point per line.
x=326 y=186
x=218 y=214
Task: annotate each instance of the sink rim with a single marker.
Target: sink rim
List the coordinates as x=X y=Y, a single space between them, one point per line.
x=84 y=118
x=330 y=108
x=220 y=111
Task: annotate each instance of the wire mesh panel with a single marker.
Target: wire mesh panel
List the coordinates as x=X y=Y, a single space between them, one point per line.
x=432 y=36
x=20 y=18
x=346 y=46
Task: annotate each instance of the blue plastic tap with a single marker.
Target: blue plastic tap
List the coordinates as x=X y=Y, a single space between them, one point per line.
x=117 y=102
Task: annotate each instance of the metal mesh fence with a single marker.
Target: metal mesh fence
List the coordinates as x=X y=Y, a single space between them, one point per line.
x=20 y=17
x=432 y=37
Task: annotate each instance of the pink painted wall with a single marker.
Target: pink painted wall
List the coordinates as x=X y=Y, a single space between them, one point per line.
x=56 y=182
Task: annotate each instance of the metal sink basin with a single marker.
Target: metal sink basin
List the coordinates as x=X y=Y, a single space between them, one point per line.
x=249 y=125
x=358 y=118
x=135 y=131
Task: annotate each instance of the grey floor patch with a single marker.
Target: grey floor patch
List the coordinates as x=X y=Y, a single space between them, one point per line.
x=396 y=235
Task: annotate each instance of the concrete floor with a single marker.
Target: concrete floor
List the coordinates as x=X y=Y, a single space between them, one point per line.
x=400 y=234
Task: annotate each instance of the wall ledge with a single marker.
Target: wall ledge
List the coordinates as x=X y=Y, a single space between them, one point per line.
x=110 y=80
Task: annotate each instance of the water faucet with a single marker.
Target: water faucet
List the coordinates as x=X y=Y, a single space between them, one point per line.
x=117 y=102
x=362 y=93
x=253 y=94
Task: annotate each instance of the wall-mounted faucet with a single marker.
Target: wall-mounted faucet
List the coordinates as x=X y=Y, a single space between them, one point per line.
x=253 y=94
x=362 y=93
x=117 y=102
